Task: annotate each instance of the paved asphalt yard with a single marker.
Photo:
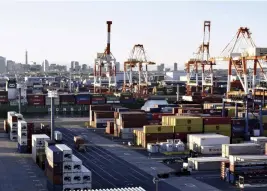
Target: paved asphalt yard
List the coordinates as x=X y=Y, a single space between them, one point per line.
x=18 y=171
x=108 y=170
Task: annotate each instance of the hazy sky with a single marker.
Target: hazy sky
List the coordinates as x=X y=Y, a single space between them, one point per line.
x=170 y=31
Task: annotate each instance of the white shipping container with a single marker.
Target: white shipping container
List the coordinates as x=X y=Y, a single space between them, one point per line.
x=67 y=152
x=22 y=125
x=152 y=148
x=68 y=187
x=77 y=178
x=190 y=137
x=76 y=164
x=23 y=135
x=13 y=137
x=256 y=51
x=86 y=175
x=22 y=141
x=103 y=120
x=215 y=149
x=208 y=140
x=13 y=125
x=67 y=178
x=247 y=158
x=38 y=140
x=19 y=116
x=87 y=186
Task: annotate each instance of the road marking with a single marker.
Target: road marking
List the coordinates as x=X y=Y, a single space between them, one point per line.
x=33 y=176
x=38 y=184
x=154 y=168
x=190 y=185
x=36 y=180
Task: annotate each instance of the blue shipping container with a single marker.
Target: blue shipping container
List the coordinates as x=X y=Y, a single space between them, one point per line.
x=99 y=102
x=149 y=116
x=54 y=154
x=123 y=109
x=127 y=101
x=238 y=129
x=22 y=148
x=155 y=110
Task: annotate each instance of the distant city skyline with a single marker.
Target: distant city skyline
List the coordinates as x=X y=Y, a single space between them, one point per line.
x=170 y=31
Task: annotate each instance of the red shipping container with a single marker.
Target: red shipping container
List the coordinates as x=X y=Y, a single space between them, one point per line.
x=36 y=103
x=157 y=116
x=154 y=122
x=216 y=120
x=3 y=100
x=98 y=99
x=83 y=102
x=34 y=96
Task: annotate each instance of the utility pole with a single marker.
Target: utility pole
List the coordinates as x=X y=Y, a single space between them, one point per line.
x=19 y=104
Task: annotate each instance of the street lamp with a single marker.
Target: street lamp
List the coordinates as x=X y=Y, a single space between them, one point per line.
x=52 y=95
x=156 y=181
x=19 y=104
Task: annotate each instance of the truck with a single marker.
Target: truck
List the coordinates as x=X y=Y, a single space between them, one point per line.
x=79 y=143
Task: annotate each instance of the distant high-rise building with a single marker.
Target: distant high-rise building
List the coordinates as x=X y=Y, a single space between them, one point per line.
x=175 y=66
x=2 y=64
x=117 y=66
x=84 y=67
x=10 y=65
x=160 y=67
x=26 y=57
x=46 y=65
x=75 y=66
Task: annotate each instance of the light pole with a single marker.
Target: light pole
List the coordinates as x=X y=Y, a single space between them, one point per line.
x=52 y=95
x=19 y=104
x=156 y=181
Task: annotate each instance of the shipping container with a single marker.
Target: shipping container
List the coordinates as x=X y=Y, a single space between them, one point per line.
x=240 y=149
x=66 y=98
x=216 y=120
x=206 y=163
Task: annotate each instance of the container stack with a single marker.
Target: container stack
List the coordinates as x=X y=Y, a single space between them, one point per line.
x=38 y=149
x=112 y=99
x=94 y=108
x=261 y=141
x=206 y=163
x=101 y=118
x=6 y=126
x=12 y=120
x=65 y=171
x=207 y=144
x=82 y=99
x=246 y=169
x=30 y=132
x=127 y=123
x=66 y=99
x=22 y=136
x=183 y=125
x=240 y=149
x=97 y=99
x=126 y=98
x=36 y=100
x=238 y=130
x=220 y=125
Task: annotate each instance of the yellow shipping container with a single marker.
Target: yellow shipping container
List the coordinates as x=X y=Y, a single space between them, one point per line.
x=186 y=120
x=217 y=128
x=194 y=128
x=157 y=129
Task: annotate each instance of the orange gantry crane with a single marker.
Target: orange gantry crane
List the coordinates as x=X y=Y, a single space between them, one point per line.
x=138 y=59
x=201 y=63
x=240 y=52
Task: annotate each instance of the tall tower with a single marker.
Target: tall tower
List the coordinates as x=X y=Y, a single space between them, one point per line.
x=26 y=57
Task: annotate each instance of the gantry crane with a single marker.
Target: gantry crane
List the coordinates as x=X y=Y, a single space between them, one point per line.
x=238 y=58
x=201 y=62
x=137 y=59
x=105 y=67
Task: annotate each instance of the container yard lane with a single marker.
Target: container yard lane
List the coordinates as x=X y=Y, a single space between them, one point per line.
x=108 y=170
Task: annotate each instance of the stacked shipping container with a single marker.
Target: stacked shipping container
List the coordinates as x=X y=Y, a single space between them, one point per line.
x=36 y=100
x=94 y=108
x=3 y=97
x=67 y=99
x=97 y=99
x=12 y=121
x=65 y=171
x=38 y=149
x=220 y=125
x=126 y=123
